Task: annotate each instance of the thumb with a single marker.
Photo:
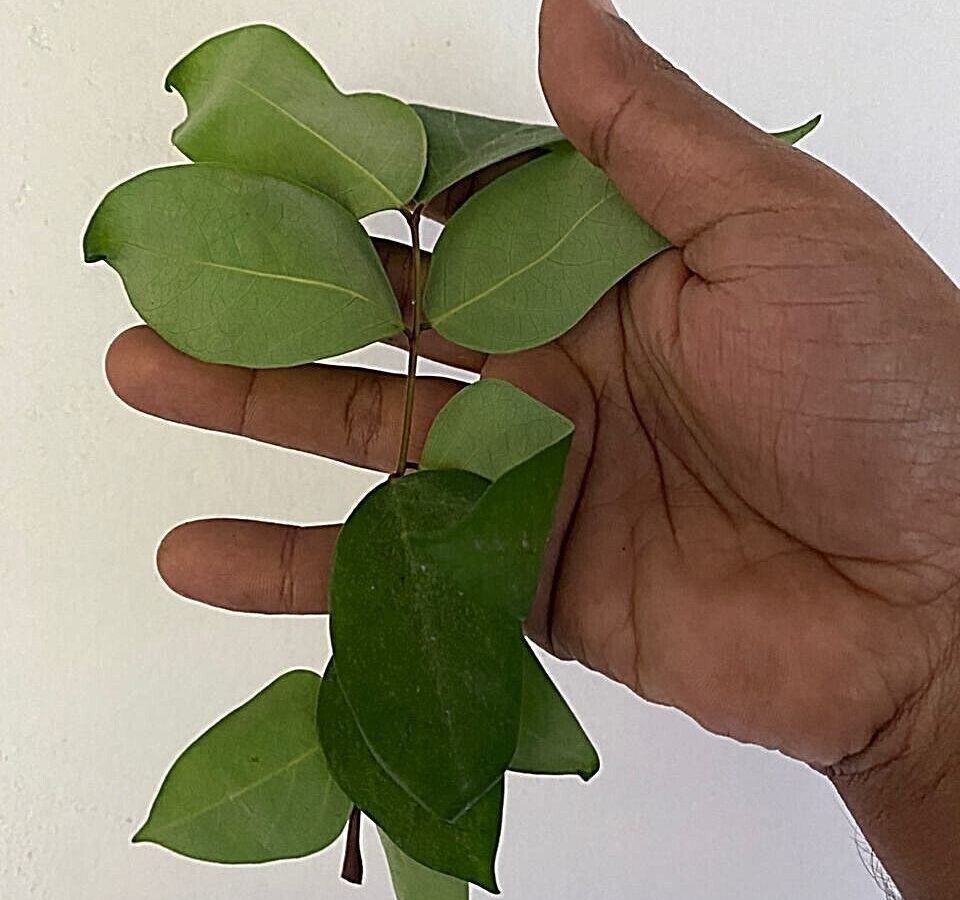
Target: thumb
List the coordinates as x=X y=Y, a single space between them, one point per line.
x=681 y=158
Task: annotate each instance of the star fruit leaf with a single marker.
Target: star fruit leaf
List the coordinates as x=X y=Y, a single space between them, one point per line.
x=465 y=849
x=255 y=786
x=552 y=741
x=239 y=267
x=258 y=100
x=513 y=428
x=525 y=258
x=431 y=670
x=489 y=428
x=412 y=881
x=460 y=144
x=524 y=447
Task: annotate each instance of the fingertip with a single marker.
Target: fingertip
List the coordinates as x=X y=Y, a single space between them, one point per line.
x=180 y=560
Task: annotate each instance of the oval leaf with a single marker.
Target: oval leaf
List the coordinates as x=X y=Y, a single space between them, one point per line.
x=488 y=428
x=412 y=881
x=497 y=547
x=237 y=267
x=552 y=741
x=463 y=849
x=524 y=259
x=431 y=672
x=497 y=431
x=258 y=100
x=460 y=144
x=254 y=787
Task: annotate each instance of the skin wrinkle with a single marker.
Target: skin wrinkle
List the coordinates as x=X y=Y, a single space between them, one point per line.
x=363 y=416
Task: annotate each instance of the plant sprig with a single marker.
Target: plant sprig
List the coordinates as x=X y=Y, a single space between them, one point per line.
x=253 y=255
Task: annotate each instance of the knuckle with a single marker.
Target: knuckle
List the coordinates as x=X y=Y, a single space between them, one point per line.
x=287 y=591
x=362 y=416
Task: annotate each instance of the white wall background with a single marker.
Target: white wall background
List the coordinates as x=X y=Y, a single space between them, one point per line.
x=106 y=675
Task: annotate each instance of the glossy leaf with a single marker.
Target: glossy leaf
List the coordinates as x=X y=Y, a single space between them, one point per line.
x=552 y=741
x=432 y=671
x=237 y=267
x=460 y=144
x=490 y=427
x=412 y=881
x=255 y=786
x=524 y=259
x=258 y=100
x=464 y=849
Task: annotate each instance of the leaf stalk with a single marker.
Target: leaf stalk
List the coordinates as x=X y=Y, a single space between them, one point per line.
x=413 y=338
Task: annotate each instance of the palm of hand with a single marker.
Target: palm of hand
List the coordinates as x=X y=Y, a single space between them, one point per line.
x=717 y=548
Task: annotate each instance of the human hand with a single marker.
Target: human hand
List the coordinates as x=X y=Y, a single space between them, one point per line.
x=760 y=522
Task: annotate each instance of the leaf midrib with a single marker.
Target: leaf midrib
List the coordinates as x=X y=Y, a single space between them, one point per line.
x=256 y=273
x=524 y=269
x=325 y=141
x=234 y=795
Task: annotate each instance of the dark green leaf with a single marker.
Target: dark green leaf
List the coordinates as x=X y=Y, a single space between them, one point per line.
x=551 y=742
x=464 y=849
x=432 y=671
x=497 y=548
x=490 y=427
x=460 y=144
x=412 y=881
x=524 y=259
x=258 y=100
x=237 y=267
x=255 y=786
x=792 y=135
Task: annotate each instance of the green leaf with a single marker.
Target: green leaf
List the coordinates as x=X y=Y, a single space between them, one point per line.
x=524 y=259
x=412 y=881
x=237 y=267
x=792 y=135
x=460 y=144
x=254 y=787
x=431 y=671
x=552 y=741
x=497 y=431
x=497 y=548
x=490 y=427
x=463 y=849
x=258 y=100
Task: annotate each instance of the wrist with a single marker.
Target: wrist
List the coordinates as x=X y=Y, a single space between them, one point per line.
x=904 y=790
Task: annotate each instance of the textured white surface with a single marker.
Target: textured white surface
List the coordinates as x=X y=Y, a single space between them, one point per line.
x=106 y=675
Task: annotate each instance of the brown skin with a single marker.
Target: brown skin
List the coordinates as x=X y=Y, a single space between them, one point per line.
x=760 y=523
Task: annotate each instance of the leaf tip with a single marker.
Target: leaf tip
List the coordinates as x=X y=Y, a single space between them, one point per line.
x=142 y=835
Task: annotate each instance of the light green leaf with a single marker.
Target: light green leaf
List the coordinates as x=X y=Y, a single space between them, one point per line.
x=432 y=671
x=460 y=144
x=258 y=100
x=524 y=259
x=237 y=267
x=465 y=849
x=490 y=427
x=412 y=881
x=793 y=135
x=552 y=741
x=254 y=787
